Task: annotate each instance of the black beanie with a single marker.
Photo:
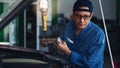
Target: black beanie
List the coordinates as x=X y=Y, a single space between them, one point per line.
x=80 y=3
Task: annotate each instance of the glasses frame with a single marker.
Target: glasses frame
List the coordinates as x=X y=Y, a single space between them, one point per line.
x=85 y=17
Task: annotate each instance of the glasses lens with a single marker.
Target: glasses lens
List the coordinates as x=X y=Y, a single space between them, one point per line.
x=85 y=17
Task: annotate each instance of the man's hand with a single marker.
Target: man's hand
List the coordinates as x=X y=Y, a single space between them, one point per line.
x=63 y=47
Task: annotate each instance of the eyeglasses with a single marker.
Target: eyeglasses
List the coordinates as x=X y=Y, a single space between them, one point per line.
x=85 y=17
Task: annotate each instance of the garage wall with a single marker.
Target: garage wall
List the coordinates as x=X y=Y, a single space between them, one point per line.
x=109 y=7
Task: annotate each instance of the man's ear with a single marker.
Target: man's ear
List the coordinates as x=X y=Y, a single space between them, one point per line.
x=91 y=15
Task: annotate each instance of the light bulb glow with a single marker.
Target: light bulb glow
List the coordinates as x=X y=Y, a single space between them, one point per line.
x=43 y=5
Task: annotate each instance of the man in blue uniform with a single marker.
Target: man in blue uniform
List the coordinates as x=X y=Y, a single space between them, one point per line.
x=83 y=41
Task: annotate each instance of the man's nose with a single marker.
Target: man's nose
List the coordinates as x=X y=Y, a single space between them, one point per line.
x=81 y=19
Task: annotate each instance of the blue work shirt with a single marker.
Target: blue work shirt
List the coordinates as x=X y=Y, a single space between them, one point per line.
x=87 y=47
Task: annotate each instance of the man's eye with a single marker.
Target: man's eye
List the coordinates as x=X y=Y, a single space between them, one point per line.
x=86 y=16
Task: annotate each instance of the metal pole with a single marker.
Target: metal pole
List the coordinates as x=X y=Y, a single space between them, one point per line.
x=25 y=28
x=38 y=26
x=106 y=34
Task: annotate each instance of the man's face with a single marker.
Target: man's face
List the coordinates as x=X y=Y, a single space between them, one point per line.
x=82 y=18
